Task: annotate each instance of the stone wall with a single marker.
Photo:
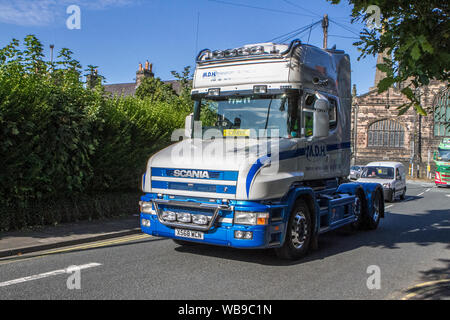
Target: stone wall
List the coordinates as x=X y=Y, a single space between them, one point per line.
x=372 y=107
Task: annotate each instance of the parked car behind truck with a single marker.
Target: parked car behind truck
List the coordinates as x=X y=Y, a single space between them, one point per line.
x=355 y=172
x=392 y=175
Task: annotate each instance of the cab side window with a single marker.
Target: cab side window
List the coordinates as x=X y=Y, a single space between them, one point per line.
x=332 y=112
x=308 y=115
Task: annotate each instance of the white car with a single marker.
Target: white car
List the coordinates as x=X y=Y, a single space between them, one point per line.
x=392 y=175
x=355 y=172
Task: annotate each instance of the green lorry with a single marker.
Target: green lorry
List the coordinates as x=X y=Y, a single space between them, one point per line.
x=442 y=160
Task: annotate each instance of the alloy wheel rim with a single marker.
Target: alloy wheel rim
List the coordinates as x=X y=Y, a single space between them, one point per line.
x=299 y=230
x=376 y=207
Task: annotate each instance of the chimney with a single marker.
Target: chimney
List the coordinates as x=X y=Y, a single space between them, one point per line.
x=144 y=73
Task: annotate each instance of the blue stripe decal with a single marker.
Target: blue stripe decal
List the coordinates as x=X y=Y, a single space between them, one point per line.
x=284 y=156
x=199 y=187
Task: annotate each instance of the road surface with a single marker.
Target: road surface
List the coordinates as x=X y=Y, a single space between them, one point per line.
x=410 y=249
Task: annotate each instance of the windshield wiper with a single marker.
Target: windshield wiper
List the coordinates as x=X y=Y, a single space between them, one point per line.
x=268 y=112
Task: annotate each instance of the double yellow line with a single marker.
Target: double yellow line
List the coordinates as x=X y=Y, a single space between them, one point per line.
x=84 y=247
x=421 y=285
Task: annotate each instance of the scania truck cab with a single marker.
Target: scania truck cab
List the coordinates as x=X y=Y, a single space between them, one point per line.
x=263 y=159
x=442 y=160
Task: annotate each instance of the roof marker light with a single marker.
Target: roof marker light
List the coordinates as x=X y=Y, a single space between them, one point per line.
x=259 y=89
x=213 y=91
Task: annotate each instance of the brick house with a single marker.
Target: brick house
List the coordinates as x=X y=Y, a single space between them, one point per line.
x=411 y=139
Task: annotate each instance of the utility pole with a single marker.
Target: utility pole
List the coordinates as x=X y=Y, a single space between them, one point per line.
x=52 y=46
x=325 y=30
x=355 y=123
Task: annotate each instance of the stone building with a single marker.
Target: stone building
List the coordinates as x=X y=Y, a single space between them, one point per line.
x=410 y=138
x=127 y=89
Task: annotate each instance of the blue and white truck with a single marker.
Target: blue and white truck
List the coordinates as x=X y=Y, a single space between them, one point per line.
x=264 y=156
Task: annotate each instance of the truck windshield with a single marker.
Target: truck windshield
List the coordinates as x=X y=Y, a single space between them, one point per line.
x=378 y=172
x=444 y=154
x=250 y=115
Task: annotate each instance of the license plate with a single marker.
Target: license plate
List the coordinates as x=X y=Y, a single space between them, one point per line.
x=189 y=234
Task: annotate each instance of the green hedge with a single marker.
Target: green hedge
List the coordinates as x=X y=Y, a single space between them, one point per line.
x=60 y=140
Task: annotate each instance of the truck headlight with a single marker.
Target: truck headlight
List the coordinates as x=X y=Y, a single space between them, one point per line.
x=184 y=217
x=169 y=215
x=199 y=219
x=251 y=218
x=146 y=207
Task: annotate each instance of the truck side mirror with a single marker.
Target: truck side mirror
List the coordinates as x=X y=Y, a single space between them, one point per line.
x=188 y=125
x=321 y=117
x=434 y=155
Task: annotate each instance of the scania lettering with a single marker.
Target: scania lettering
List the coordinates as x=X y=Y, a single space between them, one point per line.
x=264 y=156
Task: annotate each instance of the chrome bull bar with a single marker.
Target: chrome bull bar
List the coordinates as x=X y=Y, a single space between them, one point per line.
x=192 y=226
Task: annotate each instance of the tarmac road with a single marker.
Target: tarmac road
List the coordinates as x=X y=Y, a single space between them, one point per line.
x=410 y=248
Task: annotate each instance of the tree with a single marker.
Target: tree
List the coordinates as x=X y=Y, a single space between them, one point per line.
x=93 y=79
x=415 y=33
x=185 y=80
x=154 y=89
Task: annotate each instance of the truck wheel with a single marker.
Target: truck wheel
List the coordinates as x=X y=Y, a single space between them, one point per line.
x=359 y=211
x=373 y=221
x=298 y=233
x=184 y=243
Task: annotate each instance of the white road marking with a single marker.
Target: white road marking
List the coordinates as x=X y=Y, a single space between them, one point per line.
x=420 y=194
x=47 y=274
x=427 y=190
x=389 y=206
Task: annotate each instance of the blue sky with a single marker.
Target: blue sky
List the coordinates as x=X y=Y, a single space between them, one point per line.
x=118 y=34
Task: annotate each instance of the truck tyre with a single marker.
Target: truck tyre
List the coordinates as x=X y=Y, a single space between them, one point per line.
x=360 y=208
x=184 y=243
x=298 y=233
x=373 y=221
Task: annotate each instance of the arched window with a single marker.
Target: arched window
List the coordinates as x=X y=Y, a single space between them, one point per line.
x=442 y=114
x=386 y=133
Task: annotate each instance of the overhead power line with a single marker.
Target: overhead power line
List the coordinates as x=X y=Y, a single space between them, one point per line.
x=290 y=35
x=295 y=32
x=261 y=8
x=338 y=36
x=344 y=27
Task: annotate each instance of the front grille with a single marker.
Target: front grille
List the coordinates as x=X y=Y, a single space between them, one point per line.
x=205 y=181
x=175 y=210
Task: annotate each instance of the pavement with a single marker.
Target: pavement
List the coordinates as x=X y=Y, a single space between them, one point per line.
x=44 y=238
x=410 y=251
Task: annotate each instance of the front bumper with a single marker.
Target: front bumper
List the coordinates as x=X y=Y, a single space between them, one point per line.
x=222 y=235
x=222 y=230
x=387 y=193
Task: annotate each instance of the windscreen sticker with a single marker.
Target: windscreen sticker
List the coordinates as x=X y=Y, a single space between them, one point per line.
x=236 y=133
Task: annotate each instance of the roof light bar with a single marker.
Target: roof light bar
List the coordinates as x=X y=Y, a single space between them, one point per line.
x=246 y=51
